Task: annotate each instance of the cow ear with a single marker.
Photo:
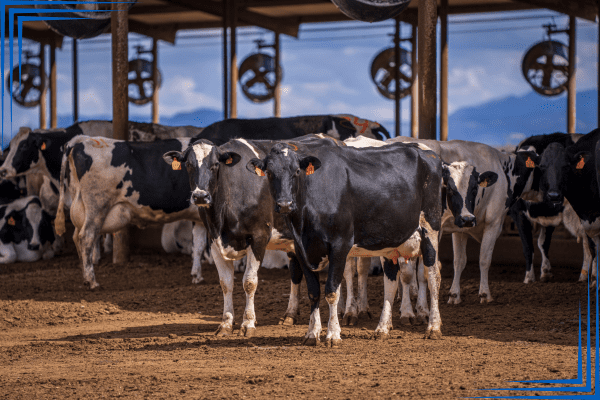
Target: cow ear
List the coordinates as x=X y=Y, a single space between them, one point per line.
x=256 y=166
x=229 y=158
x=487 y=179
x=310 y=164
x=173 y=158
x=530 y=158
x=580 y=159
x=445 y=173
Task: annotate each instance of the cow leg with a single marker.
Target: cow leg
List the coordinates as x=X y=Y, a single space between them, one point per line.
x=544 y=241
x=293 y=312
x=88 y=239
x=108 y=243
x=225 y=270
x=526 y=234
x=429 y=251
x=413 y=289
x=314 y=296
x=199 y=245
x=250 y=282
x=96 y=252
x=337 y=265
x=589 y=255
x=363 y=266
x=407 y=316
x=459 y=246
x=351 y=312
x=490 y=235
x=596 y=240
x=390 y=286
x=76 y=241
x=422 y=307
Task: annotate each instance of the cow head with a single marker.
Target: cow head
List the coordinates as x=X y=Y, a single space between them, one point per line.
x=285 y=169
x=25 y=154
x=24 y=219
x=203 y=161
x=462 y=183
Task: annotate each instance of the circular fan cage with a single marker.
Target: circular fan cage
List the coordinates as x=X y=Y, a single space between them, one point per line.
x=97 y=18
x=371 y=10
x=546 y=67
x=382 y=73
x=141 y=85
x=33 y=82
x=258 y=78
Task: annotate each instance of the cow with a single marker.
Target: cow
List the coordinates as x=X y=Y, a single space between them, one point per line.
x=12 y=189
x=349 y=202
x=26 y=232
x=523 y=214
x=114 y=183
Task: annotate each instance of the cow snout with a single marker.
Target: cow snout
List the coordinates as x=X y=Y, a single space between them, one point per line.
x=284 y=207
x=555 y=197
x=466 y=221
x=33 y=246
x=201 y=198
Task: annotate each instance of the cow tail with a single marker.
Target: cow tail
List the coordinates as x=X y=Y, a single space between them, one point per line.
x=298 y=246
x=59 y=222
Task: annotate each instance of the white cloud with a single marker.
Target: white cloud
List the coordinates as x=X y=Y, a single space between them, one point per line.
x=329 y=88
x=180 y=94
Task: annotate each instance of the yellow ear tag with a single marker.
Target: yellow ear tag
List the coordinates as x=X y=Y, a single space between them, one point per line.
x=259 y=171
x=529 y=163
x=229 y=160
x=310 y=169
x=483 y=184
x=176 y=165
x=11 y=221
x=43 y=146
x=580 y=164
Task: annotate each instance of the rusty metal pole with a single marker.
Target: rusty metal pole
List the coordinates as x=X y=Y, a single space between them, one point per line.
x=427 y=69
x=397 y=77
x=225 y=63
x=414 y=89
x=120 y=68
x=572 y=90
x=44 y=94
x=233 y=69
x=75 y=83
x=444 y=72
x=155 y=114
x=53 y=119
x=277 y=94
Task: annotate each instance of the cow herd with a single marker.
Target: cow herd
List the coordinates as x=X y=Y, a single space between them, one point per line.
x=332 y=192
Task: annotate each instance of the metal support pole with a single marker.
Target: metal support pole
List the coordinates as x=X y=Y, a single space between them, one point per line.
x=444 y=72
x=277 y=94
x=414 y=90
x=75 y=83
x=598 y=84
x=155 y=114
x=53 y=118
x=225 y=63
x=397 y=77
x=572 y=90
x=233 y=59
x=427 y=69
x=120 y=68
x=44 y=94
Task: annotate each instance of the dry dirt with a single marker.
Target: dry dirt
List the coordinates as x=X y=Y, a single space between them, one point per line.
x=148 y=333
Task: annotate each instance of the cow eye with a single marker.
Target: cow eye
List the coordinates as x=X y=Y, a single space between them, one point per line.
x=298 y=172
x=269 y=174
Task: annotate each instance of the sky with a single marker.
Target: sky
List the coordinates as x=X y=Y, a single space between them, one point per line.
x=326 y=70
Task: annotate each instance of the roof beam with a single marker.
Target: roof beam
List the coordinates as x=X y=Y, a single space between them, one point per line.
x=286 y=26
x=165 y=32
x=580 y=9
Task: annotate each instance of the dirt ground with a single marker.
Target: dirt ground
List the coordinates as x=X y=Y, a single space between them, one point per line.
x=148 y=333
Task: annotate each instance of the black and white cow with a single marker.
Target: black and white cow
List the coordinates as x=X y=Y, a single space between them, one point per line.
x=491 y=205
x=114 y=183
x=341 y=201
x=26 y=232
x=549 y=217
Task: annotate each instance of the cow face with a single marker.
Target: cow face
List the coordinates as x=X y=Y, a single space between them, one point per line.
x=25 y=153
x=462 y=182
x=554 y=165
x=29 y=223
x=285 y=169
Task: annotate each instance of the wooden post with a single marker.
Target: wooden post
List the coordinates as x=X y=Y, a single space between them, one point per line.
x=225 y=63
x=233 y=69
x=44 y=94
x=444 y=72
x=277 y=94
x=414 y=90
x=155 y=114
x=572 y=91
x=53 y=118
x=120 y=68
x=397 y=77
x=427 y=69
x=75 y=83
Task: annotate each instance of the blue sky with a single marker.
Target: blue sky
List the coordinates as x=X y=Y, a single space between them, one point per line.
x=326 y=70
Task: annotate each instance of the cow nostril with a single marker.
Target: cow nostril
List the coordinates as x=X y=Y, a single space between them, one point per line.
x=33 y=247
x=284 y=207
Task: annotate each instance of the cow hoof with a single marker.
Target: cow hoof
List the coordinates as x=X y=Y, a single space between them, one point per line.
x=433 y=334
x=224 y=331
x=91 y=285
x=546 y=277
x=380 y=335
x=247 y=332
x=422 y=320
x=406 y=320
x=349 y=320
x=311 y=342
x=197 y=279
x=287 y=321
x=485 y=299
x=454 y=299
x=365 y=315
x=583 y=277
x=333 y=343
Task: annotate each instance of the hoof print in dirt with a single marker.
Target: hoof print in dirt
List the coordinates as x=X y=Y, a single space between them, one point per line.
x=349 y=321
x=433 y=334
x=333 y=343
x=224 y=331
x=365 y=315
x=247 y=332
x=311 y=342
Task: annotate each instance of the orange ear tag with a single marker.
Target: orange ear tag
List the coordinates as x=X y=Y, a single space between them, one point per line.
x=11 y=221
x=229 y=160
x=580 y=164
x=176 y=165
x=43 y=147
x=259 y=171
x=310 y=169
x=529 y=163
x=483 y=184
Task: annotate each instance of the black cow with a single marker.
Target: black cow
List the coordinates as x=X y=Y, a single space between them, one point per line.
x=372 y=202
x=12 y=189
